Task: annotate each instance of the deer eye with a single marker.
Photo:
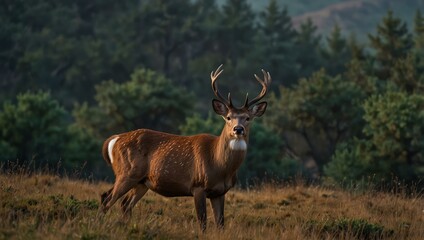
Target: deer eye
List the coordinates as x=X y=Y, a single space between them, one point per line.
x=247 y=119
x=228 y=118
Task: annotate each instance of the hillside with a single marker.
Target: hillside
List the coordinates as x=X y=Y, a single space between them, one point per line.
x=353 y=16
x=49 y=207
x=359 y=16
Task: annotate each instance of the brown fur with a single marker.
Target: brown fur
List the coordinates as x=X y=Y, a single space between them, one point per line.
x=202 y=166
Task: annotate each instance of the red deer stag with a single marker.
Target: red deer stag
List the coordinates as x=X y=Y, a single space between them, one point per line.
x=202 y=166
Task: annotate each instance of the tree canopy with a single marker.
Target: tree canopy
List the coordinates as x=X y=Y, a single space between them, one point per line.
x=74 y=72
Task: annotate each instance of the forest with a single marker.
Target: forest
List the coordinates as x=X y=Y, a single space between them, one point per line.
x=340 y=111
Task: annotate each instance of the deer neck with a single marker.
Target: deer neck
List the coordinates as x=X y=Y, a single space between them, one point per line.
x=230 y=152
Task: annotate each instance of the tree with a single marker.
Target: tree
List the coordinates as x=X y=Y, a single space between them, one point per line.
x=236 y=31
x=308 y=46
x=264 y=160
x=418 y=51
x=392 y=42
x=36 y=129
x=419 y=32
x=317 y=114
x=53 y=45
x=33 y=129
x=148 y=100
x=276 y=43
x=169 y=27
x=406 y=74
x=82 y=153
x=395 y=126
x=336 y=54
x=353 y=163
x=392 y=145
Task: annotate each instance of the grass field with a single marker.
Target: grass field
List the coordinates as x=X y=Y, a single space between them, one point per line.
x=42 y=206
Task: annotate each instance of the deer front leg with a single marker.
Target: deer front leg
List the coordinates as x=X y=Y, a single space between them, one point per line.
x=200 y=204
x=218 y=210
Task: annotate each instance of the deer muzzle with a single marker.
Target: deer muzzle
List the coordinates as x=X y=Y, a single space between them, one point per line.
x=238 y=130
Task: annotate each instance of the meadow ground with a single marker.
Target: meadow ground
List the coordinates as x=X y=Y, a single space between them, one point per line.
x=43 y=206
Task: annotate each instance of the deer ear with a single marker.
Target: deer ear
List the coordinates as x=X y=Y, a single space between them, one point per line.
x=258 y=109
x=219 y=107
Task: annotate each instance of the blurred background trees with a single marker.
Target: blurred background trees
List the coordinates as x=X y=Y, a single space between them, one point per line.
x=344 y=107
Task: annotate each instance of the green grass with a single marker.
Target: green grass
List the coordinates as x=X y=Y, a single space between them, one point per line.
x=48 y=207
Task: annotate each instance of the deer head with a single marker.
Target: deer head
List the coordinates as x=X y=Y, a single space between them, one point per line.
x=238 y=118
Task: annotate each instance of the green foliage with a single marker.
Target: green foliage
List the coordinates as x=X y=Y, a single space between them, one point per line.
x=337 y=53
x=36 y=128
x=392 y=146
x=148 y=100
x=406 y=74
x=392 y=42
x=32 y=129
x=235 y=39
x=182 y=41
x=419 y=31
x=264 y=155
x=395 y=126
x=82 y=152
x=276 y=44
x=354 y=163
x=307 y=49
x=170 y=26
x=323 y=110
x=196 y=124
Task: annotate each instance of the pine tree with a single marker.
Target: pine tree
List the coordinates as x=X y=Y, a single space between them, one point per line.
x=419 y=31
x=277 y=43
x=307 y=49
x=392 y=42
x=237 y=30
x=355 y=48
x=419 y=45
x=336 y=54
x=169 y=28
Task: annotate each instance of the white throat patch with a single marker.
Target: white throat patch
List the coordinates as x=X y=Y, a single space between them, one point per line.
x=238 y=144
x=110 y=148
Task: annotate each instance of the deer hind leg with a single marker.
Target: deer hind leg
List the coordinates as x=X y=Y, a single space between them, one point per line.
x=131 y=199
x=105 y=197
x=121 y=186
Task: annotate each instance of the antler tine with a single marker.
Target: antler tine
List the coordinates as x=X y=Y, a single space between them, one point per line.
x=214 y=76
x=265 y=84
x=216 y=73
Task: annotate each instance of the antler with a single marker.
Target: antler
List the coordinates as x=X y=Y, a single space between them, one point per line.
x=214 y=75
x=265 y=84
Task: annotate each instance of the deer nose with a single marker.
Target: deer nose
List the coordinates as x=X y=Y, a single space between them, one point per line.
x=239 y=130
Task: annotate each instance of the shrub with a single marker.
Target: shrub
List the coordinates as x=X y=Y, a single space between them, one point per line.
x=34 y=128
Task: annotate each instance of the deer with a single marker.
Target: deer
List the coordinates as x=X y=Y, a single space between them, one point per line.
x=200 y=166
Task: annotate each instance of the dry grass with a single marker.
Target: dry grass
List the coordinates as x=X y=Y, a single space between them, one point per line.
x=48 y=207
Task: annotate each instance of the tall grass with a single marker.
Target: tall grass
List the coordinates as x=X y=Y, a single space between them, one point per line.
x=45 y=206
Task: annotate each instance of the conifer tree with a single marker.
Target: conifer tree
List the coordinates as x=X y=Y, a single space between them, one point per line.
x=307 y=49
x=336 y=54
x=391 y=42
x=170 y=28
x=419 y=31
x=237 y=30
x=277 y=41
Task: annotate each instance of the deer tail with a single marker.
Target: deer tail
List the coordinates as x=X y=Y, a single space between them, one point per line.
x=107 y=149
